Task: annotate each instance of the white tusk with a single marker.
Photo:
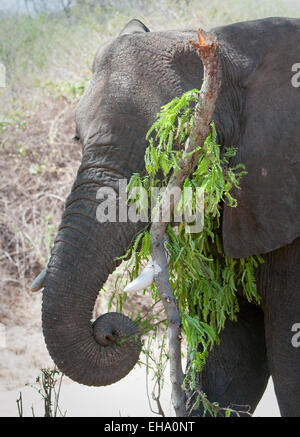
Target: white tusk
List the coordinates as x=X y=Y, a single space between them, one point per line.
x=144 y=279
x=39 y=281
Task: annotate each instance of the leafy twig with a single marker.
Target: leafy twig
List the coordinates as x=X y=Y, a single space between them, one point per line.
x=208 y=51
x=159 y=374
x=216 y=410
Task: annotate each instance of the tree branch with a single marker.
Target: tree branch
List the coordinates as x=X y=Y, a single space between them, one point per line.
x=207 y=47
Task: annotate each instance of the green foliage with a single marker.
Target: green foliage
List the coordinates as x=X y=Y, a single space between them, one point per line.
x=71 y=91
x=21 y=150
x=55 y=45
x=13 y=118
x=36 y=169
x=171 y=127
x=204 y=280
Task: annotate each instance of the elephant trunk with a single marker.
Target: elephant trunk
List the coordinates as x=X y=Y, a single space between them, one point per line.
x=83 y=256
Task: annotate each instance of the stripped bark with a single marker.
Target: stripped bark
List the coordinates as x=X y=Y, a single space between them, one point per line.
x=207 y=47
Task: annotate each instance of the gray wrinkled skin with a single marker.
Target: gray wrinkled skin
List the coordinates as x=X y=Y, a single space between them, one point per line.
x=257 y=111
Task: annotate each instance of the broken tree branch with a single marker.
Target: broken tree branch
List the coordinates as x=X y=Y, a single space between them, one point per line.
x=207 y=47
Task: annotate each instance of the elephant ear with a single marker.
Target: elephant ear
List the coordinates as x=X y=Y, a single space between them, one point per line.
x=268 y=210
x=134 y=26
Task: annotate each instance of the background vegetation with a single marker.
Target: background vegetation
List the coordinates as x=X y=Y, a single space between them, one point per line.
x=48 y=56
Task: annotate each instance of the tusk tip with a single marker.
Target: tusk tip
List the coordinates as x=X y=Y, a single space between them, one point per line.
x=38 y=283
x=143 y=281
x=34 y=288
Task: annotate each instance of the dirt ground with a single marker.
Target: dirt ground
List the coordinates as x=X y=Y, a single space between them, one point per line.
x=126 y=398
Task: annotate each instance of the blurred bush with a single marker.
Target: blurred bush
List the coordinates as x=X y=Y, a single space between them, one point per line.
x=49 y=45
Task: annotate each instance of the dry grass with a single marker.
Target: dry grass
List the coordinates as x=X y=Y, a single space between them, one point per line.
x=38 y=164
x=39 y=159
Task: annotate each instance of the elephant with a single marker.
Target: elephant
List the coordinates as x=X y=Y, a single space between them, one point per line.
x=257 y=111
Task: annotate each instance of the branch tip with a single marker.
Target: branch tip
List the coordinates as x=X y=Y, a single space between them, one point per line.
x=207 y=44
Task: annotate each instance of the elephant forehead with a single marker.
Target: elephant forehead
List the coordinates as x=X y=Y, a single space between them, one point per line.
x=116 y=105
x=135 y=75
x=127 y=50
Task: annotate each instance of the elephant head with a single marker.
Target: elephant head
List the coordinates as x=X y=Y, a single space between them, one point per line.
x=133 y=76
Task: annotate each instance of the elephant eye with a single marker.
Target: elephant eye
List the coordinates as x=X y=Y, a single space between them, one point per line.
x=76 y=138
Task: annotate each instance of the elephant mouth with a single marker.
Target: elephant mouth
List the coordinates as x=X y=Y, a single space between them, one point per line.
x=116 y=329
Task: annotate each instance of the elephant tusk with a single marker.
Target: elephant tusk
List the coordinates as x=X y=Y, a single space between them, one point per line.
x=144 y=279
x=37 y=284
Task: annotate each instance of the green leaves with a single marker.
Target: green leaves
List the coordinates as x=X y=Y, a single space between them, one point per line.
x=171 y=128
x=174 y=120
x=203 y=279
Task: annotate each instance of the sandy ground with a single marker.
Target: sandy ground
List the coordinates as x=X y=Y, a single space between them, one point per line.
x=127 y=398
x=23 y=353
x=21 y=360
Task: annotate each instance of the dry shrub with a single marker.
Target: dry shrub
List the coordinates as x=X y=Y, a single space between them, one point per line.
x=37 y=166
